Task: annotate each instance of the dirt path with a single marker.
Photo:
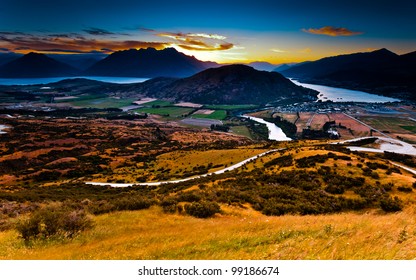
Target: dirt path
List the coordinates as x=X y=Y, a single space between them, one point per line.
x=235 y=166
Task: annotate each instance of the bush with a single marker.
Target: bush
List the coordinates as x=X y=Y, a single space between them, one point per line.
x=202 y=209
x=131 y=203
x=391 y=205
x=404 y=189
x=169 y=205
x=54 y=220
x=335 y=189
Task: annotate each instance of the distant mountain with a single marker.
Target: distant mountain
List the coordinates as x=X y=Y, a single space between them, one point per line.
x=381 y=71
x=79 y=61
x=232 y=84
x=262 y=65
x=281 y=68
x=36 y=65
x=148 y=63
x=7 y=57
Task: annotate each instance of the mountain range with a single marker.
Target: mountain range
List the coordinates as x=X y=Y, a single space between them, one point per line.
x=143 y=63
x=380 y=71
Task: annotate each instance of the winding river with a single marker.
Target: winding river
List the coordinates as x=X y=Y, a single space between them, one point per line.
x=275 y=132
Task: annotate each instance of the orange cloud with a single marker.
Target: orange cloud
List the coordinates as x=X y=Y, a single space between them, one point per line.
x=69 y=43
x=198 y=41
x=96 y=40
x=332 y=31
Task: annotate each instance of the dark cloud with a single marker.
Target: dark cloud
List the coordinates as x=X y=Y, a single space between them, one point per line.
x=4 y=50
x=146 y=29
x=332 y=31
x=98 y=31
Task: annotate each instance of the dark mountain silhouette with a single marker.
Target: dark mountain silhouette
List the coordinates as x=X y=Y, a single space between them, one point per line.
x=36 y=65
x=7 y=57
x=232 y=84
x=148 y=63
x=381 y=71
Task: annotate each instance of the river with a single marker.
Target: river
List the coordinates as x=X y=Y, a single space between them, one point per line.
x=327 y=93
x=275 y=132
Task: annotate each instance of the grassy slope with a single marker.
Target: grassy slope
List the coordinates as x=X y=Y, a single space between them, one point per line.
x=242 y=234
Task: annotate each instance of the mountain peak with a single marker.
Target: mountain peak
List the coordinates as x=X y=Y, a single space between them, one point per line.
x=36 y=65
x=233 y=84
x=148 y=63
x=384 y=51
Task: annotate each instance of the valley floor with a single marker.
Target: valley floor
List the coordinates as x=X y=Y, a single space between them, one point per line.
x=237 y=234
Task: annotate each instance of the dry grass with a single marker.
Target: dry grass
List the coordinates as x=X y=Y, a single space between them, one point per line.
x=240 y=234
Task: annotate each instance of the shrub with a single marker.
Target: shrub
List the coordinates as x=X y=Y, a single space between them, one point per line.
x=404 y=189
x=54 y=220
x=169 y=205
x=131 y=203
x=202 y=209
x=391 y=205
x=335 y=189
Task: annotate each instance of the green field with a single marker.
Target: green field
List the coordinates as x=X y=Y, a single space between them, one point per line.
x=159 y=103
x=241 y=130
x=411 y=128
x=166 y=111
x=216 y=115
x=101 y=103
x=230 y=107
x=392 y=124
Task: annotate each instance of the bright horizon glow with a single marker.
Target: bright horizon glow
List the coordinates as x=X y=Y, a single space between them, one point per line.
x=263 y=30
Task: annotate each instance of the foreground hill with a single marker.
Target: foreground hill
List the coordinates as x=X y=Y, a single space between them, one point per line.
x=34 y=65
x=233 y=84
x=148 y=63
x=380 y=71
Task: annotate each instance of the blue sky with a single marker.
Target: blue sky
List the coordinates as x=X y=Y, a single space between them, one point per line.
x=224 y=31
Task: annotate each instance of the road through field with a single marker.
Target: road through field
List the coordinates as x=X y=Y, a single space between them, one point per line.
x=235 y=166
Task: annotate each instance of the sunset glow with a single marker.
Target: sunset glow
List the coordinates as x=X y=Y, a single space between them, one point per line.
x=257 y=31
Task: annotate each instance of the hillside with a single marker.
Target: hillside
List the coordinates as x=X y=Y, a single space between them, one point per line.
x=148 y=63
x=381 y=71
x=35 y=65
x=309 y=200
x=233 y=84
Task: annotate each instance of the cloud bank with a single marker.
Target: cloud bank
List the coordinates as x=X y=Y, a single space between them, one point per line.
x=332 y=31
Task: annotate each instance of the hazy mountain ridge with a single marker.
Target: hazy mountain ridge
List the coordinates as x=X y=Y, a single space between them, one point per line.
x=381 y=71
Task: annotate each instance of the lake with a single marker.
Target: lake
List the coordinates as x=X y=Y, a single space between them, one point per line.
x=275 y=132
x=327 y=93
x=36 y=81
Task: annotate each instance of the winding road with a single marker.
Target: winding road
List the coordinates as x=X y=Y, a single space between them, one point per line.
x=235 y=166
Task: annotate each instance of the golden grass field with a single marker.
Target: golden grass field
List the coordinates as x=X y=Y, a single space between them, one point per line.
x=236 y=234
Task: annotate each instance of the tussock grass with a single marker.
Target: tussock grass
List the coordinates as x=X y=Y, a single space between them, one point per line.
x=237 y=234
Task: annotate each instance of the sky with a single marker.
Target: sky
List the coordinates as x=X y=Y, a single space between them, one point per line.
x=222 y=31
